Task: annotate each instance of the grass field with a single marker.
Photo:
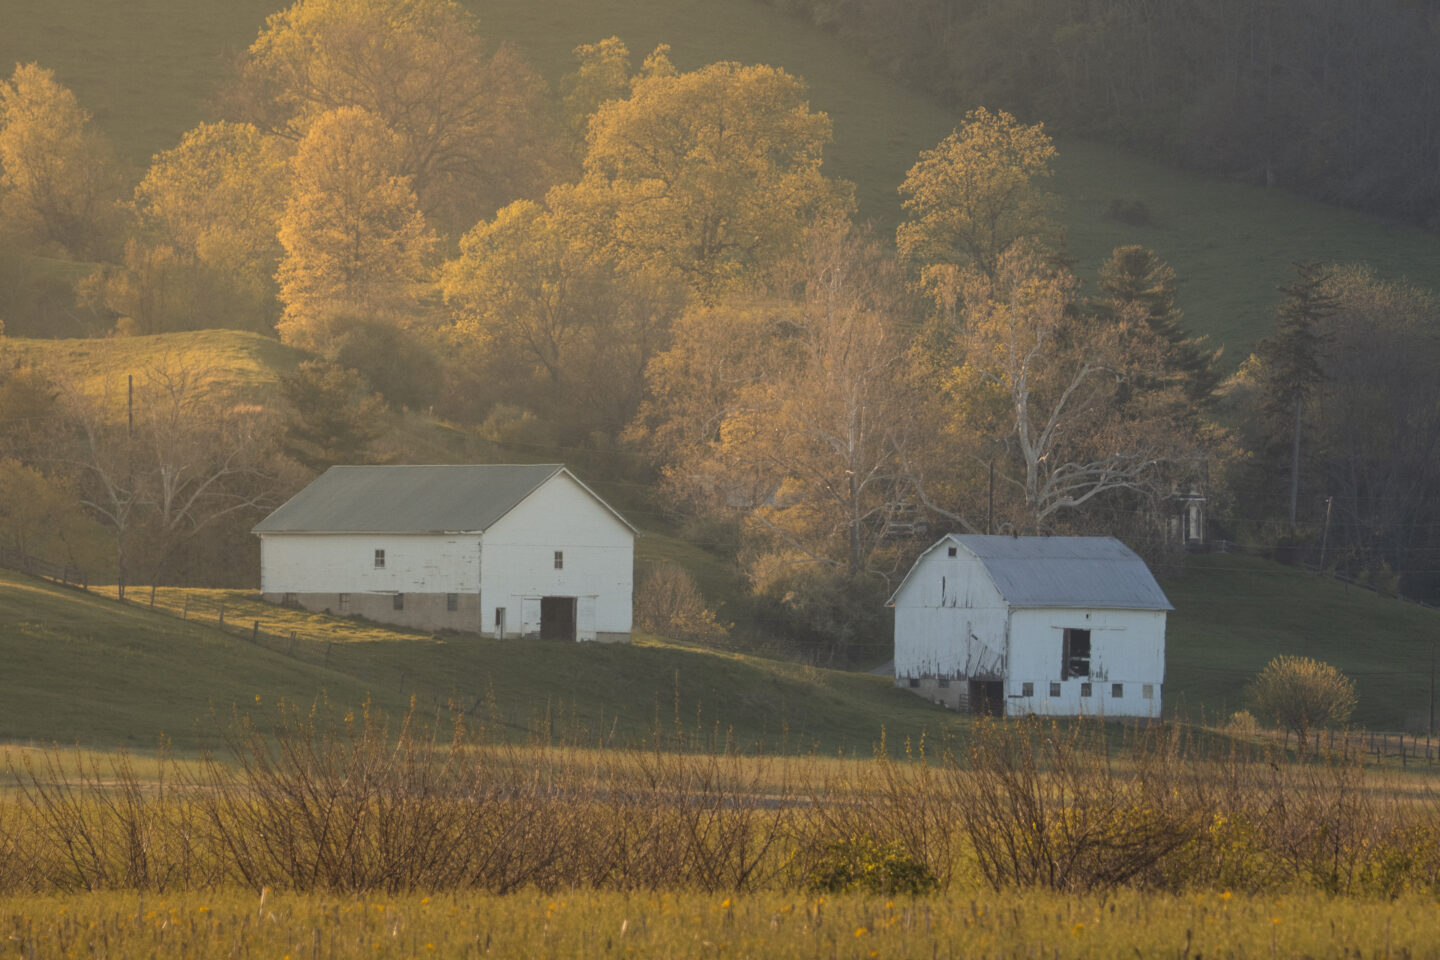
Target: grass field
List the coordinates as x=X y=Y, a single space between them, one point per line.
x=88 y=669
x=644 y=924
x=146 y=70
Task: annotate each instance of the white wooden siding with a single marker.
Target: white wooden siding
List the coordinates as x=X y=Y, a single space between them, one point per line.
x=345 y=563
x=598 y=569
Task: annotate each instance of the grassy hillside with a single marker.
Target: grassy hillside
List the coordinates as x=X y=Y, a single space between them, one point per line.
x=83 y=668
x=147 y=69
x=246 y=365
x=1233 y=614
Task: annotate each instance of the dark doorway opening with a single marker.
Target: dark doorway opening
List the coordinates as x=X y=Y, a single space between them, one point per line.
x=557 y=618
x=1075 y=657
x=987 y=698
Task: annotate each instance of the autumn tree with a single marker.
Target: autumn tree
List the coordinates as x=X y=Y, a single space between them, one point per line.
x=205 y=250
x=973 y=195
x=602 y=73
x=1041 y=384
x=554 y=323
x=356 y=244
x=709 y=175
x=58 y=178
x=471 y=126
x=793 y=415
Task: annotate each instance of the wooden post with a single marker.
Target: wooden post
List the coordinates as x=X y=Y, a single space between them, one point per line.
x=185 y=610
x=255 y=632
x=152 y=596
x=221 y=616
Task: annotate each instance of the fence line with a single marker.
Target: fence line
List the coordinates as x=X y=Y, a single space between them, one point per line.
x=60 y=573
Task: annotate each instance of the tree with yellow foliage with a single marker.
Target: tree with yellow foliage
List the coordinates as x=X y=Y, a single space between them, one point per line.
x=471 y=126
x=709 y=175
x=972 y=196
x=356 y=244
x=58 y=178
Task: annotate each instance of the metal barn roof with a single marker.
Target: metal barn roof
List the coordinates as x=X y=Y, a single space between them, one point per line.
x=1098 y=572
x=412 y=499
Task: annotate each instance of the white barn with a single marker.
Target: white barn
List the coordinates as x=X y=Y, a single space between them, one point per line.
x=1060 y=626
x=502 y=550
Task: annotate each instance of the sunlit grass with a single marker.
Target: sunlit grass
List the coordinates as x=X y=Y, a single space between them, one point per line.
x=581 y=923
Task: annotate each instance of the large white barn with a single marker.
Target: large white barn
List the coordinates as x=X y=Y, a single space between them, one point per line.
x=502 y=550
x=1063 y=626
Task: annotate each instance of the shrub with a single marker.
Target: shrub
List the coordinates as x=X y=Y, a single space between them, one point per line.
x=669 y=603
x=866 y=865
x=1301 y=694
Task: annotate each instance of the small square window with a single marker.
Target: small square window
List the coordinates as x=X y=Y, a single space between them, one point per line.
x=951 y=551
x=288 y=600
x=1054 y=689
x=398 y=601
x=342 y=600
x=559 y=559
x=944 y=682
x=452 y=602
x=1085 y=689
x=914 y=681
x=1147 y=691
x=1117 y=690
x=379 y=559
x=1027 y=689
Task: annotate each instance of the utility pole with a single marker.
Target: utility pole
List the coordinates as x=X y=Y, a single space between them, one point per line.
x=1325 y=537
x=1430 y=730
x=990 y=510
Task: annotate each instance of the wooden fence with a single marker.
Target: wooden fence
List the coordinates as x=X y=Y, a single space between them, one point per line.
x=35 y=567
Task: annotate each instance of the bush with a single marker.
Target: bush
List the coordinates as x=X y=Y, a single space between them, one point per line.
x=669 y=603
x=1301 y=694
x=866 y=865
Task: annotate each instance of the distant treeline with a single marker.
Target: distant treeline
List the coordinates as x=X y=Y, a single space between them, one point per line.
x=1336 y=99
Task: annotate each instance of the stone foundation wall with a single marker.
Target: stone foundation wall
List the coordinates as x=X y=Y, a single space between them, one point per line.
x=954 y=694
x=421 y=611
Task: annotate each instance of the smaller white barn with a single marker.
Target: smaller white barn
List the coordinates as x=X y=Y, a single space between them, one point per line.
x=1060 y=626
x=504 y=550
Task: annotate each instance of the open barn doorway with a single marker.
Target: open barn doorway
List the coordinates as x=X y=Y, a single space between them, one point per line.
x=557 y=618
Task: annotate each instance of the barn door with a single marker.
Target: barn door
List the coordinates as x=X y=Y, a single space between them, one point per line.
x=585 y=618
x=529 y=616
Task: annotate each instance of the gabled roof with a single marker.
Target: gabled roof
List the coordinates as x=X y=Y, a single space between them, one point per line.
x=1096 y=572
x=414 y=499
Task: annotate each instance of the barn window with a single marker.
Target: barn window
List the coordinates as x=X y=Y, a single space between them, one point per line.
x=944 y=682
x=288 y=600
x=1147 y=691
x=559 y=559
x=914 y=681
x=452 y=602
x=1117 y=690
x=398 y=601
x=1085 y=689
x=1027 y=689
x=1054 y=689
x=951 y=552
x=1075 y=654
x=342 y=600
x=379 y=559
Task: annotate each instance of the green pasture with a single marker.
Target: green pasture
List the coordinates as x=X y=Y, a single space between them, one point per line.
x=149 y=70
x=1234 y=613
x=85 y=668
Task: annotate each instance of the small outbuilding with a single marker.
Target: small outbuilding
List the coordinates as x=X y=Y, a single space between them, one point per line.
x=500 y=549
x=1060 y=626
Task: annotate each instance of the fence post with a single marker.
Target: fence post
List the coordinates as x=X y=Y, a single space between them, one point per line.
x=185 y=610
x=222 y=615
x=255 y=632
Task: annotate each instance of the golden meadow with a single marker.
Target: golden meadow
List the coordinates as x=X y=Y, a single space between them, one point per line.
x=306 y=835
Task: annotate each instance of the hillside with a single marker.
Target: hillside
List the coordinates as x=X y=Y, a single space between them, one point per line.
x=1234 y=613
x=84 y=668
x=147 y=72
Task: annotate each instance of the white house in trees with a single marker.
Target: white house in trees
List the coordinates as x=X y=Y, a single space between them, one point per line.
x=1047 y=625
x=503 y=550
